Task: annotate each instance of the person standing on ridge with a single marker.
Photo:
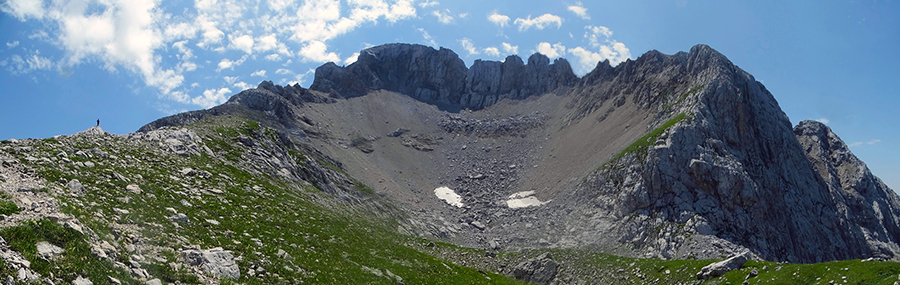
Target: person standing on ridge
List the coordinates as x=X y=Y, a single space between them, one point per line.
x=98 y=122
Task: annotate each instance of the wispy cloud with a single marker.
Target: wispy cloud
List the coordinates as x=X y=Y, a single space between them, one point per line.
x=427 y=4
x=823 y=120
x=545 y=20
x=12 y=44
x=579 y=10
x=259 y=73
x=443 y=16
x=229 y=64
x=468 y=46
x=873 y=142
x=427 y=37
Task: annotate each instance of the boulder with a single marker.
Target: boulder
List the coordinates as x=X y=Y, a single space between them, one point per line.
x=539 y=270
x=214 y=261
x=717 y=269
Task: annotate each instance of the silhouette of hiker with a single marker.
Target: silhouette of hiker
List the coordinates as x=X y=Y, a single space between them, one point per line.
x=98 y=122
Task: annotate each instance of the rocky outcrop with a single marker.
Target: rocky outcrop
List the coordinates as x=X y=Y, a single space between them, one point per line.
x=731 y=167
x=440 y=77
x=862 y=200
x=275 y=100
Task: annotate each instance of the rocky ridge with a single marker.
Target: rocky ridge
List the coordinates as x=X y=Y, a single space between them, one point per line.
x=440 y=77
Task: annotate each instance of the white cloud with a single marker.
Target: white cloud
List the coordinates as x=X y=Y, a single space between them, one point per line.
x=211 y=98
x=242 y=85
x=427 y=4
x=498 y=19
x=443 y=17
x=351 y=59
x=428 y=39
x=243 y=43
x=24 y=9
x=539 y=23
x=462 y=15
x=283 y=71
x=492 y=51
x=615 y=52
x=259 y=73
x=468 y=46
x=178 y=96
x=551 y=51
x=873 y=142
x=601 y=48
x=855 y=144
x=319 y=21
x=186 y=54
x=229 y=64
x=279 y=5
x=510 y=49
x=823 y=120
x=177 y=31
x=580 y=10
x=266 y=43
x=317 y=51
x=12 y=44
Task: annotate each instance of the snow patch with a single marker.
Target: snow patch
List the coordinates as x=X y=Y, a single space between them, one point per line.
x=449 y=196
x=523 y=199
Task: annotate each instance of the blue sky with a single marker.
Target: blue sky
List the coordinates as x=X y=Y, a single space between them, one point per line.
x=66 y=63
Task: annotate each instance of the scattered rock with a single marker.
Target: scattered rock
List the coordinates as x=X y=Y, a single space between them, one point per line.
x=82 y=281
x=213 y=261
x=48 y=250
x=719 y=268
x=134 y=188
x=540 y=270
x=75 y=186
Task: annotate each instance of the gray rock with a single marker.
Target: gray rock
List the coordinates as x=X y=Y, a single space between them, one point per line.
x=92 y=131
x=154 y=281
x=75 y=186
x=114 y=281
x=539 y=270
x=214 y=261
x=82 y=281
x=180 y=218
x=134 y=188
x=48 y=250
x=397 y=132
x=717 y=269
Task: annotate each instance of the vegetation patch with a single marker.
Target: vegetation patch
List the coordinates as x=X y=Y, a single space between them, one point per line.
x=639 y=146
x=75 y=260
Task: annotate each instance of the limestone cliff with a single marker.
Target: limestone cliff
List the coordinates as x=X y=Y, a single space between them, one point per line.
x=440 y=77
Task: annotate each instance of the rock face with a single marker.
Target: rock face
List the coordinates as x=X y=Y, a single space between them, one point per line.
x=539 y=270
x=730 y=168
x=863 y=201
x=440 y=77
